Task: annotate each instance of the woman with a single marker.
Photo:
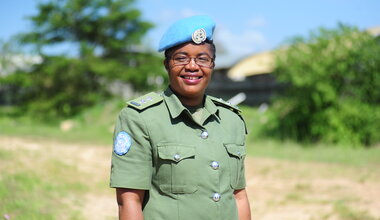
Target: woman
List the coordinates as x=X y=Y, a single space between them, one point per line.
x=180 y=154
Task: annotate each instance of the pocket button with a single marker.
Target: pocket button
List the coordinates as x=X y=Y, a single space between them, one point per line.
x=176 y=157
x=214 y=165
x=204 y=135
x=216 y=197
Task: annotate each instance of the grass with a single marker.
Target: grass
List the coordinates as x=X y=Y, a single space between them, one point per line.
x=32 y=188
x=25 y=195
x=95 y=126
x=348 y=213
x=5 y=155
x=316 y=153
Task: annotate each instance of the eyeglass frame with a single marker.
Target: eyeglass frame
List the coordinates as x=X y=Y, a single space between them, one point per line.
x=192 y=58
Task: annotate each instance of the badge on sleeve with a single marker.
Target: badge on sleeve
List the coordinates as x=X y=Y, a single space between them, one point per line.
x=123 y=143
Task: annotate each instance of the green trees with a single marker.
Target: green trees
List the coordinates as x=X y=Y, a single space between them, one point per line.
x=332 y=94
x=103 y=37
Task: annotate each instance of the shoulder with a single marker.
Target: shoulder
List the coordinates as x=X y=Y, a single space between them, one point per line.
x=225 y=104
x=136 y=107
x=135 y=110
x=229 y=108
x=146 y=101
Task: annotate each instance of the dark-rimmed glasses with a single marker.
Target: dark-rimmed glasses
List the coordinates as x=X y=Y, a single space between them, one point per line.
x=202 y=60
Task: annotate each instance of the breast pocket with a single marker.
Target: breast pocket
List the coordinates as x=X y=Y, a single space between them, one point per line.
x=177 y=168
x=236 y=155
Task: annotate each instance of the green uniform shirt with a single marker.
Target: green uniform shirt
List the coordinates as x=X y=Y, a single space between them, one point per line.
x=190 y=170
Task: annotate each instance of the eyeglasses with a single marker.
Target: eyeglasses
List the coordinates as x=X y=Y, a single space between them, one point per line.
x=202 y=60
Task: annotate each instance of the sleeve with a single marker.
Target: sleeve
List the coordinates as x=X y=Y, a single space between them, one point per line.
x=241 y=183
x=241 y=179
x=132 y=169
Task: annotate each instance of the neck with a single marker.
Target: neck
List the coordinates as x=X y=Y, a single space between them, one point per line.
x=190 y=101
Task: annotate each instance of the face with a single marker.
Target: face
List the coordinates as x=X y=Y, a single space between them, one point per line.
x=190 y=80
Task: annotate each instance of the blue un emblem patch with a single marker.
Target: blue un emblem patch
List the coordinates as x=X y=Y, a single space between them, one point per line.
x=123 y=143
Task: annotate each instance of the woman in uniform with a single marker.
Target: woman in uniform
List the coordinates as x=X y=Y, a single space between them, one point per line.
x=179 y=155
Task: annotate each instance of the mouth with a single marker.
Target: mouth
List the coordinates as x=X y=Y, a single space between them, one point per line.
x=191 y=77
x=191 y=80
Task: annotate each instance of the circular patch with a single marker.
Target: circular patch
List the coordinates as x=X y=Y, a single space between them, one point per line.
x=123 y=143
x=199 y=36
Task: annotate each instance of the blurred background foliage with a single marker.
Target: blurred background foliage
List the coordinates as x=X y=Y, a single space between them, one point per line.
x=332 y=79
x=105 y=37
x=331 y=76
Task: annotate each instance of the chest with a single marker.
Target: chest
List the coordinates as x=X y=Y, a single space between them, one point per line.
x=185 y=154
x=209 y=138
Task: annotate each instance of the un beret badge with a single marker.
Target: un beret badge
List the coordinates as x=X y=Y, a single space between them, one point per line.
x=199 y=36
x=123 y=143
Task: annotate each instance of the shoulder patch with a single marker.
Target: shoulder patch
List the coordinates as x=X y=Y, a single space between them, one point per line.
x=122 y=143
x=145 y=101
x=221 y=102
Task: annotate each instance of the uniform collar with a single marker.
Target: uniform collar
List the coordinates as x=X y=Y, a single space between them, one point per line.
x=175 y=106
x=210 y=108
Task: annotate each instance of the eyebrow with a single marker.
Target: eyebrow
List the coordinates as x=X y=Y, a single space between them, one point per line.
x=200 y=54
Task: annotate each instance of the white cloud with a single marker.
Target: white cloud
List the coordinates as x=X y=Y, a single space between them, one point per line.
x=257 y=21
x=165 y=16
x=239 y=44
x=170 y=15
x=187 y=12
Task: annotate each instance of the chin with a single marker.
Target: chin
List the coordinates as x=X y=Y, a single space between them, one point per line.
x=193 y=93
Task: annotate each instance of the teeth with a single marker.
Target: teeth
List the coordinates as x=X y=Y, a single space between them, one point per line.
x=191 y=77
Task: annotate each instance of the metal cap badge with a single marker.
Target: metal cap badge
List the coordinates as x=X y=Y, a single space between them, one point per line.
x=199 y=36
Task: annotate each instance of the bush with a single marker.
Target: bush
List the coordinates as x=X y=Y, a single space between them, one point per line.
x=331 y=96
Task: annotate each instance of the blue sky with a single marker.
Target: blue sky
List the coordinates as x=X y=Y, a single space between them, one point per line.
x=243 y=26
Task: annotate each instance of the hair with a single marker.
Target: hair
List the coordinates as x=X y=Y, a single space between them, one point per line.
x=169 y=51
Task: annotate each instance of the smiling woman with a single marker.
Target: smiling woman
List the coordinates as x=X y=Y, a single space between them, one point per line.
x=190 y=69
x=180 y=154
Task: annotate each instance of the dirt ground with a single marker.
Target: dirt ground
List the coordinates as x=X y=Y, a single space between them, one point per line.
x=278 y=189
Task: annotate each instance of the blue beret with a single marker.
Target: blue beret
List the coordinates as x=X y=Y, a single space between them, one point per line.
x=195 y=28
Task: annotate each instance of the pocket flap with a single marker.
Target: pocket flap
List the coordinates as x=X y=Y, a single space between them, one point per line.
x=235 y=150
x=175 y=152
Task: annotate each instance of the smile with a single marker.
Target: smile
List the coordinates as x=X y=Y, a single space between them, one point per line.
x=191 y=77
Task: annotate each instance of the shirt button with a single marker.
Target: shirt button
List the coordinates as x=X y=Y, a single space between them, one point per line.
x=177 y=157
x=214 y=165
x=216 y=197
x=204 y=135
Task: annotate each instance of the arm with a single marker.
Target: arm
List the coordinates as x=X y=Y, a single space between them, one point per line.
x=242 y=203
x=131 y=172
x=130 y=203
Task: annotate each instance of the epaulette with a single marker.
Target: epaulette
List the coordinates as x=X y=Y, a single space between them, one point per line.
x=145 y=101
x=234 y=108
x=221 y=102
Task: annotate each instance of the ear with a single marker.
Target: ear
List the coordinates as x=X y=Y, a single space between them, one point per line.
x=166 y=64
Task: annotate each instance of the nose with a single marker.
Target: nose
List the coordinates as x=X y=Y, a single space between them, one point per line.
x=192 y=65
